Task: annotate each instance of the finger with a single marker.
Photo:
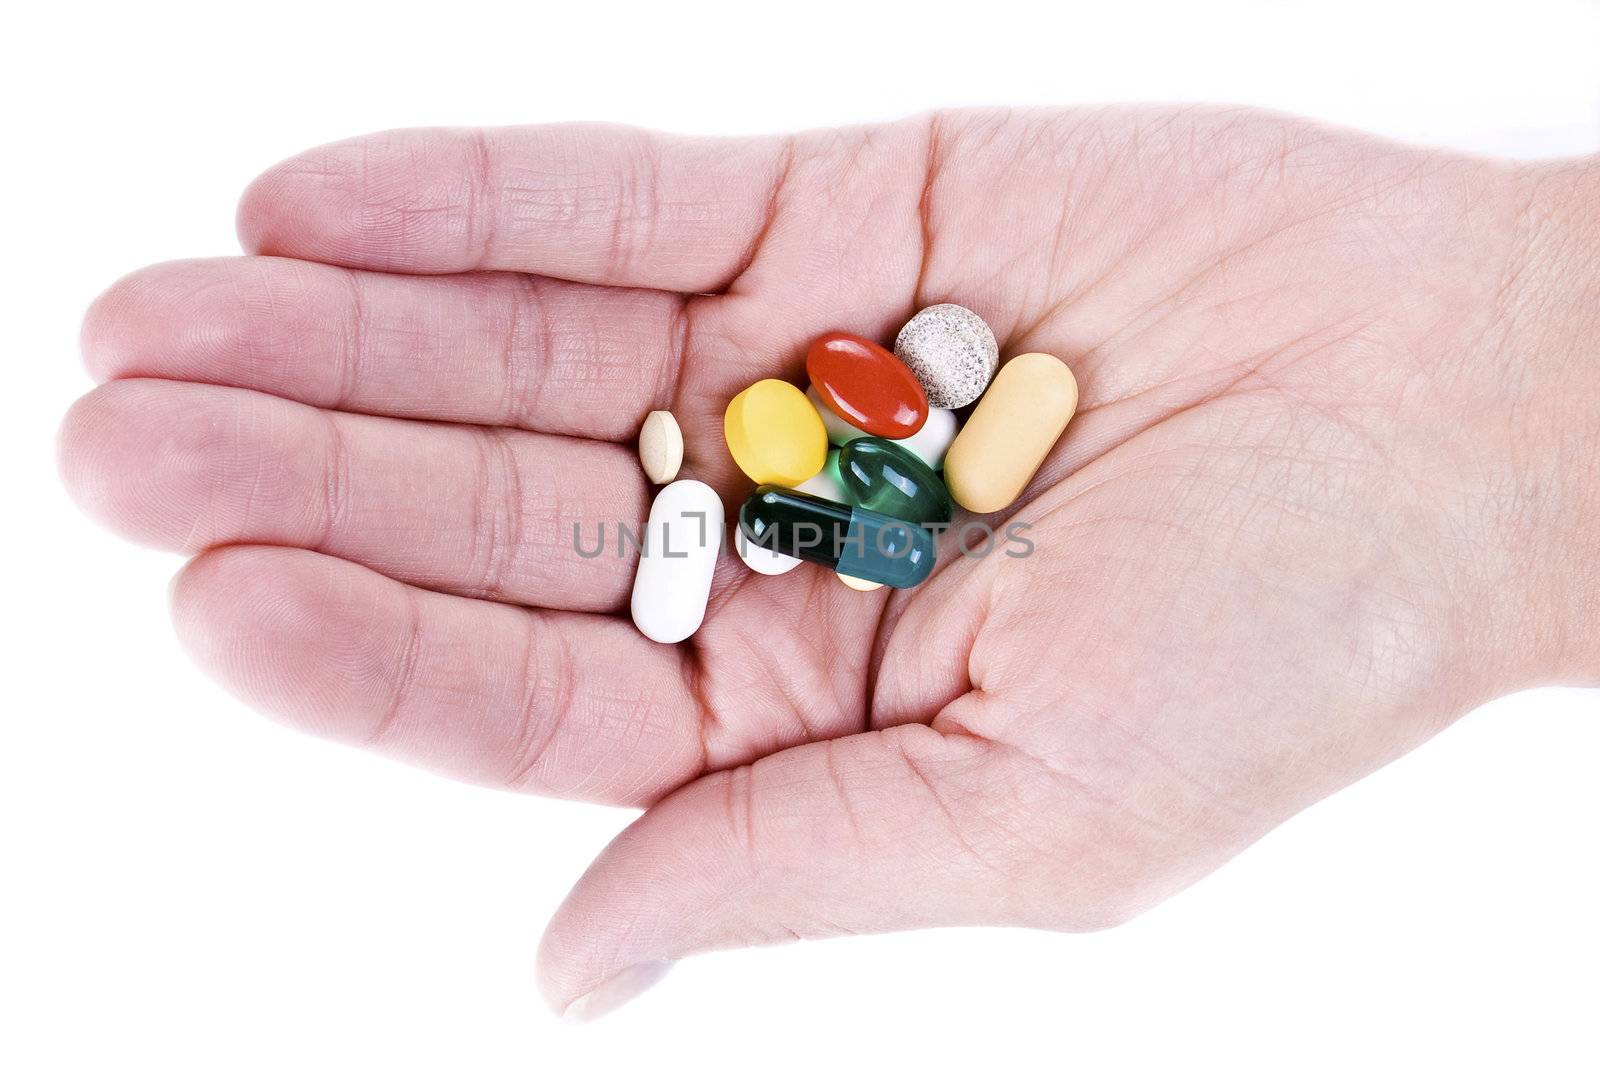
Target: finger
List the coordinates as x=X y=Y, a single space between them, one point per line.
x=493 y=513
x=595 y=204
x=500 y=349
x=565 y=704
x=895 y=829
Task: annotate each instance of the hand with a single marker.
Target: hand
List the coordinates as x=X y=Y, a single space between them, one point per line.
x=1331 y=485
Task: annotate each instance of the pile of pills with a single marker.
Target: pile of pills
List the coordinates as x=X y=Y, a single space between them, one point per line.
x=848 y=472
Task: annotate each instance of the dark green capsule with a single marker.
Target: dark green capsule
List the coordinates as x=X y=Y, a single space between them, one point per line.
x=847 y=539
x=884 y=476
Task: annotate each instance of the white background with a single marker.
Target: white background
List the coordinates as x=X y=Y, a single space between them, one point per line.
x=183 y=885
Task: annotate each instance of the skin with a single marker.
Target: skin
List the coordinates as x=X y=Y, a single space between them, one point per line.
x=1331 y=485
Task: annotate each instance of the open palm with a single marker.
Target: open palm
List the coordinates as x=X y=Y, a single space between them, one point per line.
x=1272 y=552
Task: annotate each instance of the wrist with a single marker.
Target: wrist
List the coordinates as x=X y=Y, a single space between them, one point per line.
x=1551 y=347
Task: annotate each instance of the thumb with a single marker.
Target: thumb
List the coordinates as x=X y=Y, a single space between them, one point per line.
x=896 y=829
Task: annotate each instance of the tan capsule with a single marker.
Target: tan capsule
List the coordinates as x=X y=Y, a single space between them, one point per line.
x=1018 y=420
x=857 y=583
x=661 y=447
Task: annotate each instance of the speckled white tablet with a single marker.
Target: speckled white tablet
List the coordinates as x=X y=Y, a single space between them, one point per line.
x=952 y=353
x=682 y=539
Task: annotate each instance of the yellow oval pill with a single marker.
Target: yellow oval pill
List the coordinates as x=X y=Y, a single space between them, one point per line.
x=1018 y=420
x=775 y=434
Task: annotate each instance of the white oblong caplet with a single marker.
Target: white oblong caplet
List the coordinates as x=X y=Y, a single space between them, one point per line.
x=932 y=440
x=840 y=430
x=682 y=540
x=824 y=485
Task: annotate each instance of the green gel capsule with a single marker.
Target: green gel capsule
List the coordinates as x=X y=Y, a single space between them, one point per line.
x=888 y=478
x=847 y=539
x=831 y=467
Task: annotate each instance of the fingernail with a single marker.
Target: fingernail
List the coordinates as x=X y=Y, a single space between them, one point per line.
x=617 y=991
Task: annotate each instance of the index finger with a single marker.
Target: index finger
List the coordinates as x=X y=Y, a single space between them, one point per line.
x=587 y=202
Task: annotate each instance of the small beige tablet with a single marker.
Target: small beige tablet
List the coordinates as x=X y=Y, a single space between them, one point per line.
x=661 y=447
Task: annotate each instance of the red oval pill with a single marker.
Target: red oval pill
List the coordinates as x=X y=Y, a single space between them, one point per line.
x=867 y=385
